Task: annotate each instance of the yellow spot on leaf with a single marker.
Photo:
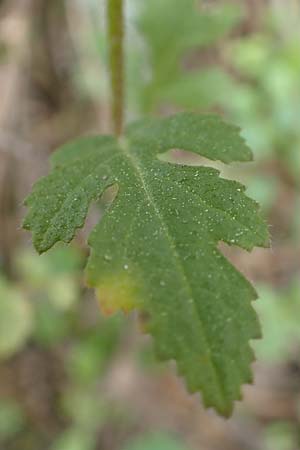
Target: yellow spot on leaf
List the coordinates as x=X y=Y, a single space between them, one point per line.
x=117 y=292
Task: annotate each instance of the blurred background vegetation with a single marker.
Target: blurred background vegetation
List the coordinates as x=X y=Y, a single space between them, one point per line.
x=70 y=379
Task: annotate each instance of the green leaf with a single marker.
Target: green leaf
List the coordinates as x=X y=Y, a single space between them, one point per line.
x=156 y=248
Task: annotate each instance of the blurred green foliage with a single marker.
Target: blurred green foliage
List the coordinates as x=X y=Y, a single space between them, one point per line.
x=14 y=309
x=255 y=84
x=11 y=419
x=41 y=308
x=171 y=31
x=266 y=102
x=280 y=436
x=159 y=441
x=279 y=312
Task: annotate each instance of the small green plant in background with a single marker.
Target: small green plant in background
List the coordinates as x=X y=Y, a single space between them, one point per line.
x=156 y=248
x=170 y=32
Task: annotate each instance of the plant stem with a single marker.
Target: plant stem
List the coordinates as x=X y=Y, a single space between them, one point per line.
x=116 y=63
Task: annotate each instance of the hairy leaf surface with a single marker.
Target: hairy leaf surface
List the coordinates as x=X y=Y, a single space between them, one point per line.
x=156 y=248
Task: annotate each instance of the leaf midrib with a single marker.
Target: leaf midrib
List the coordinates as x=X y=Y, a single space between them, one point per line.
x=137 y=168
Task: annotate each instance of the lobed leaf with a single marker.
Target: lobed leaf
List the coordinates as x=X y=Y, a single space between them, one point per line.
x=156 y=248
